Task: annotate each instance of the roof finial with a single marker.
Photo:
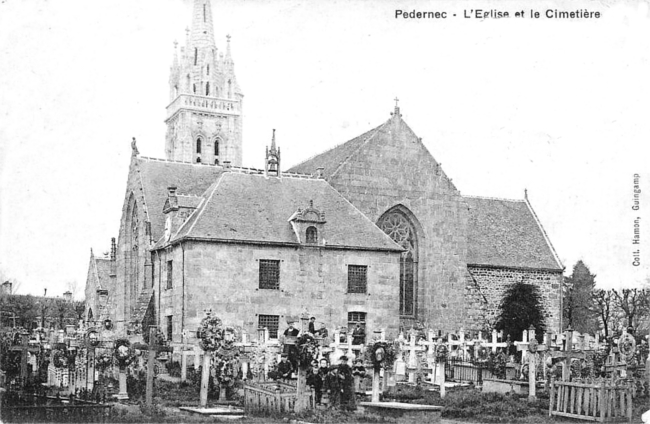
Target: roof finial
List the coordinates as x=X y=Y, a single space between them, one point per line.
x=396 y=112
x=526 y=193
x=273 y=141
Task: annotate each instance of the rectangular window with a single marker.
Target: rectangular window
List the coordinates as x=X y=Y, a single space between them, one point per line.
x=170 y=269
x=272 y=322
x=357 y=278
x=269 y=274
x=170 y=328
x=355 y=318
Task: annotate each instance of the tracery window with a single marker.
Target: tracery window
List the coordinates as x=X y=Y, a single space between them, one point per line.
x=399 y=228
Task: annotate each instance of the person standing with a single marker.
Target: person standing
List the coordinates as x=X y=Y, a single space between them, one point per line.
x=333 y=386
x=315 y=381
x=284 y=368
x=312 y=326
x=358 y=335
x=290 y=348
x=348 y=401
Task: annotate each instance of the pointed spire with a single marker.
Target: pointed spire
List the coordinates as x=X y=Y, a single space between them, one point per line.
x=272 y=163
x=273 y=148
x=202 y=35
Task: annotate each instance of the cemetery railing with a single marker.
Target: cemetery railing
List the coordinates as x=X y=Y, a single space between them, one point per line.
x=604 y=402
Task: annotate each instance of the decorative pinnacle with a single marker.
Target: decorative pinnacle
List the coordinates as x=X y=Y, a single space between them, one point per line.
x=273 y=140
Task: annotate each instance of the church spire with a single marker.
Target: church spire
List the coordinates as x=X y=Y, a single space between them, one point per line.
x=202 y=33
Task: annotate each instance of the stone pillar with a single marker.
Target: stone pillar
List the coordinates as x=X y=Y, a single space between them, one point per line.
x=375 y=385
x=123 y=394
x=205 y=378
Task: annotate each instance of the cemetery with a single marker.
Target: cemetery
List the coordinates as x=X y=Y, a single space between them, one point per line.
x=84 y=374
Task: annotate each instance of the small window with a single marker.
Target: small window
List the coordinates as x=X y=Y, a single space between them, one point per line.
x=271 y=322
x=216 y=161
x=170 y=327
x=207 y=88
x=355 y=318
x=269 y=274
x=312 y=235
x=198 y=160
x=198 y=145
x=357 y=278
x=216 y=147
x=170 y=268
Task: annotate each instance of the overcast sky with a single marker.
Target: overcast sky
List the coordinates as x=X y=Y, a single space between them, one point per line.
x=560 y=107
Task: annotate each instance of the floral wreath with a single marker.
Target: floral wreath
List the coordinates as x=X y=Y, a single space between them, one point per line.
x=59 y=359
x=381 y=354
x=627 y=345
x=308 y=349
x=482 y=352
x=441 y=353
x=103 y=361
x=211 y=333
x=123 y=356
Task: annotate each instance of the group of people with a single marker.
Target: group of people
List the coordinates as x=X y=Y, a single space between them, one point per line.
x=337 y=381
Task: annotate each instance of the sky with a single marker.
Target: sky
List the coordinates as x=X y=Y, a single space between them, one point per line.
x=559 y=107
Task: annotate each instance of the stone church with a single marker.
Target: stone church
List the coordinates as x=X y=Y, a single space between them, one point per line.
x=372 y=231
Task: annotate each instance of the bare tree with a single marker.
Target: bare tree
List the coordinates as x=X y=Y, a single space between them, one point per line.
x=634 y=305
x=604 y=307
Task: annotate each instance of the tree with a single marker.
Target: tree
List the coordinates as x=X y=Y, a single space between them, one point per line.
x=604 y=307
x=579 y=309
x=634 y=304
x=520 y=308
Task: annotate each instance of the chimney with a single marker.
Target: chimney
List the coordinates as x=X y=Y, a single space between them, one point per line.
x=319 y=172
x=67 y=296
x=6 y=287
x=113 y=267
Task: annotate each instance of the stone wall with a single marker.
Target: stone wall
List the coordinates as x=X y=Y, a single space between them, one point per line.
x=486 y=286
x=394 y=168
x=225 y=278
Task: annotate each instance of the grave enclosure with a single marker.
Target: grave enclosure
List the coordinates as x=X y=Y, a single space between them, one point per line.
x=565 y=365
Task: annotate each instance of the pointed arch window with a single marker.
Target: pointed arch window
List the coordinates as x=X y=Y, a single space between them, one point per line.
x=194 y=88
x=216 y=147
x=207 y=88
x=196 y=55
x=400 y=228
x=198 y=145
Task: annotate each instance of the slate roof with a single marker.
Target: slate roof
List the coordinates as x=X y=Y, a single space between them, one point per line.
x=103 y=271
x=506 y=233
x=157 y=174
x=244 y=207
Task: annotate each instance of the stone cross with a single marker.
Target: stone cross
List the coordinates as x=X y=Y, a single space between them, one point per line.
x=24 y=350
x=412 y=350
x=376 y=372
x=152 y=349
x=494 y=344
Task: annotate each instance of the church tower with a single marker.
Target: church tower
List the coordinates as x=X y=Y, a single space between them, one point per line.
x=204 y=117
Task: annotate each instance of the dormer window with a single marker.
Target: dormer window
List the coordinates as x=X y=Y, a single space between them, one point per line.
x=311 y=236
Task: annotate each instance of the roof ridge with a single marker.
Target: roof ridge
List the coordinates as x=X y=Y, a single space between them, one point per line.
x=494 y=198
x=374 y=133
